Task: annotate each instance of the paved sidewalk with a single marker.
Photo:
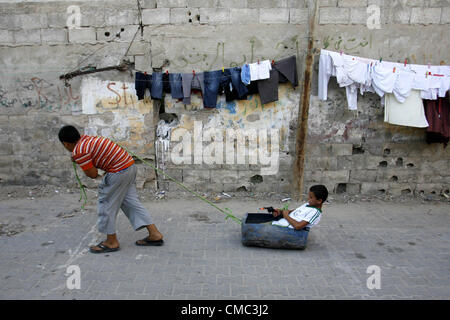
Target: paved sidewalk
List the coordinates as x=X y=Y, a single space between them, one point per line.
x=203 y=257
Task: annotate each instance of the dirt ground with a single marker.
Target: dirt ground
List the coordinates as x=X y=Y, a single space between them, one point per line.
x=43 y=230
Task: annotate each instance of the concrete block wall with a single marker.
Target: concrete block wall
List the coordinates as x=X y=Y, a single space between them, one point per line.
x=347 y=151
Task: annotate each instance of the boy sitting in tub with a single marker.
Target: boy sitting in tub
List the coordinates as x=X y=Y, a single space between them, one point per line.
x=308 y=214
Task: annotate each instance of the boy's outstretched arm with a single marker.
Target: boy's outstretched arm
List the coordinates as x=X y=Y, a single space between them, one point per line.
x=91 y=173
x=298 y=225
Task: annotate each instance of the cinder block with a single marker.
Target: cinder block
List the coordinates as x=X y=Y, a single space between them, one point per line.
x=6 y=21
x=445 y=16
x=121 y=18
x=6 y=36
x=329 y=15
x=148 y=4
x=340 y=175
x=214 y=16
x=267 y=4
x=58 y=19
x=402 y=16
x=296 y=4
x=244 y=16
x=280 y=15
x=184 y=15
x=123 y=33
x=29 y=21
x=139 y=48
x=425 y=15
x=232 y=4
x=429 y=188
x=371 y=188
x=27 y=37
x=322 y=163
x=224 y=176
x=196 y=176
x=352 y=3
x=171 y=3
x=398 y=189
x=363 y=175
x=342 y=149
x=358 y=16
x=54 y=36
x=95 y=17
x=156 y=16
x=298 y=16
x=327 y=3
x=201 y=3
x=82 y=35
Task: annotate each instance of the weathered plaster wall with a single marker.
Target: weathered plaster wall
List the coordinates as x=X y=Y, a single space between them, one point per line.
x=345 y=150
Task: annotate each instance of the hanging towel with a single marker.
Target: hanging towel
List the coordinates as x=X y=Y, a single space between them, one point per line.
x=288 y=70
x=411 y=113
x=268 y=89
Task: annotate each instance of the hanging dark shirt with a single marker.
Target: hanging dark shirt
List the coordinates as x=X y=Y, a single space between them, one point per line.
x=437 y=113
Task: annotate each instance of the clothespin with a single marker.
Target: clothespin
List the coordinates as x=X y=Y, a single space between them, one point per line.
x=167 y=71
x=381 y=59
x=193 y=72
x=223 y=69
x=258 y=61
x=145 y=73
x=273 y=62
x=340 y=52
x=393 y=71
x=406 y=60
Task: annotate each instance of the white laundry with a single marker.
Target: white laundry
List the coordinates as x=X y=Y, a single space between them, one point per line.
x=260 y=70
x=356 y=70
x=411 y=113
x=341 y=73
x=403 y=85
x=325 y=72
x=383 y=79
x=352 y=96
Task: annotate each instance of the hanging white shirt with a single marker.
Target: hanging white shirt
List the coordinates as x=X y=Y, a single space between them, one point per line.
x=326 y=70
x=356 y=70
x=403 y=85
x=260 y=71
x=383 y=79
x=410 y=113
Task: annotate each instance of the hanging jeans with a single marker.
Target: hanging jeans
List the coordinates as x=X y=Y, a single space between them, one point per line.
x=211 y=85
x=175 y=85
x=189 y=82
x=157 y=85
x=232 y=84
x=142 y=82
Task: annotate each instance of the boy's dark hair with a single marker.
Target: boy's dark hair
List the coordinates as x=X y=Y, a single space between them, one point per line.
x=69 y=134
x=320 y=191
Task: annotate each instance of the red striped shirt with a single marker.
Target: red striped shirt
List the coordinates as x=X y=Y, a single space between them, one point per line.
x=101 y=153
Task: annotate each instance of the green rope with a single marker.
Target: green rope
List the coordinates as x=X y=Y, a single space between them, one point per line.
x=82 y=190
x=228 y=212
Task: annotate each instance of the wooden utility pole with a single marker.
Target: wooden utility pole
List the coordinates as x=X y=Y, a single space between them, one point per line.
x=302 y=130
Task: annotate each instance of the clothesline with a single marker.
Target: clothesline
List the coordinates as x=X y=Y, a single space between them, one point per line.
x=381 y=77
